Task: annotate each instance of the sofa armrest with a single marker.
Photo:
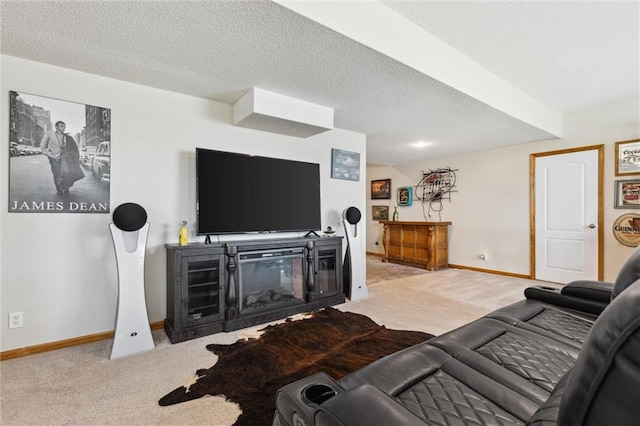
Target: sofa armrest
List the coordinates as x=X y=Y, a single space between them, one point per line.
x=365 y=405
x=297 y=401
x=555 y=296
x=598 y=291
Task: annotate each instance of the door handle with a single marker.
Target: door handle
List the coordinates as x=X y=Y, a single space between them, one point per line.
x=592 y=226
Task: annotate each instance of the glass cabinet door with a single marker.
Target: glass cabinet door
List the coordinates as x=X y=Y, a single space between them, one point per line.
x=202 y=292
x=326 y=278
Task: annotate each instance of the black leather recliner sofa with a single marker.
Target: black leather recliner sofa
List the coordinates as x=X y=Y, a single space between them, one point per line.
x=537 y=362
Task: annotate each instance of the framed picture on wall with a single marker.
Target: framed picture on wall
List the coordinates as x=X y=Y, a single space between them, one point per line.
x=381 y=189
x=345 y=165
x=380 y=212
x=60 y=156
x=405 y=196
x=627 y=157
x=627 y=194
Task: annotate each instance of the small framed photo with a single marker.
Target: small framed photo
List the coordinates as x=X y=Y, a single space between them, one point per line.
x=628 y=157
x=380 y=212
x=405 y=196
x=627 y=194
x=345 y=165
x=381 y=189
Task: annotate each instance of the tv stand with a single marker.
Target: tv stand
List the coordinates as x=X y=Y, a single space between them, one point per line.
x=207 y=239
x=308 y=234
x=225 y=286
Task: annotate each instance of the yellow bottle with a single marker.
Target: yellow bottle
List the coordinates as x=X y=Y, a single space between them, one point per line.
x=183 y=238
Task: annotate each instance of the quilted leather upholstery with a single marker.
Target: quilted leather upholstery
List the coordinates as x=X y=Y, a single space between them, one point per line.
x=442 y=400
x=542 y=365
x=559 y=322
x=519 y=366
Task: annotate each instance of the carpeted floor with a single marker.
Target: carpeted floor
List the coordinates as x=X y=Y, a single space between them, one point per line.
x=250 y=372
x=378 y=271
x=81 y=386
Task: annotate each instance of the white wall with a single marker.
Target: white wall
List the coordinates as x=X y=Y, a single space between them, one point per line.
x=490 y=210
x=60 y=268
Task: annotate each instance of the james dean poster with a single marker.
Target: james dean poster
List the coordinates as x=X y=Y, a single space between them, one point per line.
x=60 y=158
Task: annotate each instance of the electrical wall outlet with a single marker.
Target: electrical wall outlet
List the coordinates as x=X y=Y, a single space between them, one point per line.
x=16 y=319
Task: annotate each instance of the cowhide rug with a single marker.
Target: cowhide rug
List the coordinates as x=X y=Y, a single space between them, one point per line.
x=249 y=372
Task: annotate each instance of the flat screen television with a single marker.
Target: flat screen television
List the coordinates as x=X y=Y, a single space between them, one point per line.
x=240 y=193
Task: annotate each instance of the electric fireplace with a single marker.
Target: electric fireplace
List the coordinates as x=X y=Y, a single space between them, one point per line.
x=231 y=285
x=270 y=279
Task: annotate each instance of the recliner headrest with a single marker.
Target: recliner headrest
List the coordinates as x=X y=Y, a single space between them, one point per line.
x=602 y=388
x=628 y=274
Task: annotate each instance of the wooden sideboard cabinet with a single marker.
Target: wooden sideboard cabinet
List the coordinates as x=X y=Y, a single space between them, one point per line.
x=421 y=244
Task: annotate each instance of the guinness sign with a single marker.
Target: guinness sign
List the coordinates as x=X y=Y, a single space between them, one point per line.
x=626 y=229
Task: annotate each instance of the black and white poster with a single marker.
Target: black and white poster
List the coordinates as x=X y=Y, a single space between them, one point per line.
x=60 y=156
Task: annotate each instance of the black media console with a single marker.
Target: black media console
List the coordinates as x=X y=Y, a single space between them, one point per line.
x=236 y=284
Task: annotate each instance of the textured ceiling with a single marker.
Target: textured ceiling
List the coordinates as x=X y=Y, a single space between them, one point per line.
x=568 y=56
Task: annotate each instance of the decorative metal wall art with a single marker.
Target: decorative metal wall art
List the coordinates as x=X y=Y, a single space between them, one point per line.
x=434 y=187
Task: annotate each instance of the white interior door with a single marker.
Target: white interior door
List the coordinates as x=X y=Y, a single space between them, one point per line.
x=566 y=216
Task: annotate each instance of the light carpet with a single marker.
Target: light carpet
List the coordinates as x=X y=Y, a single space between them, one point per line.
x=81 y=386
x=250 y=372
